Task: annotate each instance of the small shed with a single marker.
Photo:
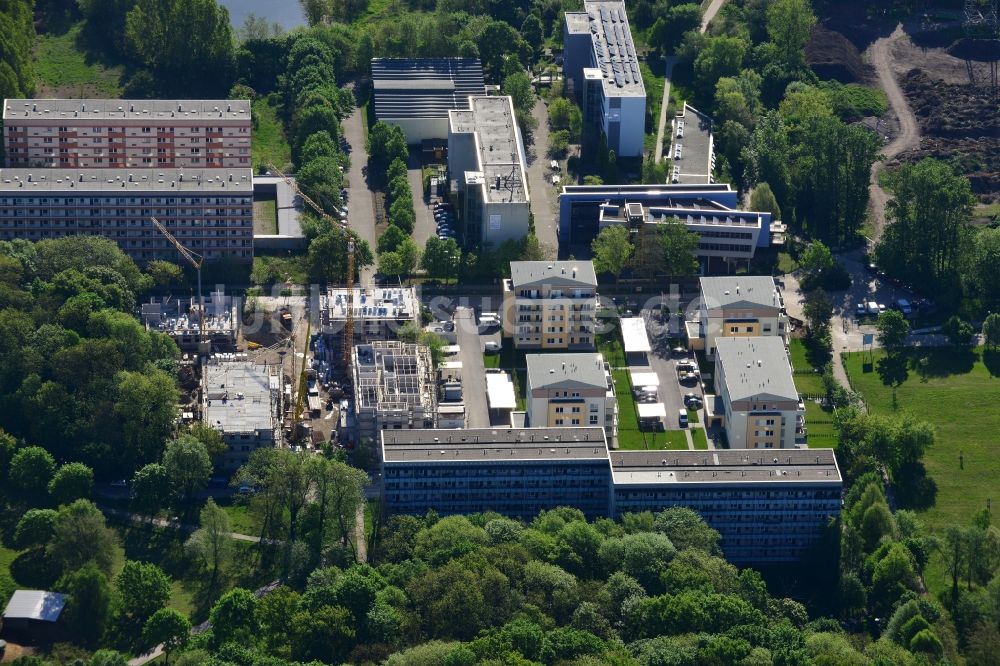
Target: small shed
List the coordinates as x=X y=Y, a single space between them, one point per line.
x=635 y=340
x=652 y=416
x=644 y=381
x=33 y=615
x=500 y=398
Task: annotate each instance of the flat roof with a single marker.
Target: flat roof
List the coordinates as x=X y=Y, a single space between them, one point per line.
x=651 y=410
x=500 y=391
x=372 y=303
x=424 y=87
x=756 y=366
x=693 y=133
x=122 y=181
x=554 y=273
x=693 y=217
x=237 y=396
x=499 y=150
x=132 y=109
x=725 y=467
x=634 y=335
x=742 y=290
x=494 y=444
x=645 y=378
x=35 y=605
x=614 y=49
x=647 y=190
x=584 y=369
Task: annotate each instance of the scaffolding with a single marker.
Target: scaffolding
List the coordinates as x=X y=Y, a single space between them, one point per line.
x=394 y=386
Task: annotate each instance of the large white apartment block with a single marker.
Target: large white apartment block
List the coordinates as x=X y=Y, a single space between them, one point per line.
x=757 y=402
x=599 y=58
x=487 y=164
x=571 y=390
x=550 y=305
x=242 y=400
x=210 y=211
x=737 y=306
x=121 y=133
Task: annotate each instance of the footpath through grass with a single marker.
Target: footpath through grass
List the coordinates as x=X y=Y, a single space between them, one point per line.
x=64 y=69
x=957 y=391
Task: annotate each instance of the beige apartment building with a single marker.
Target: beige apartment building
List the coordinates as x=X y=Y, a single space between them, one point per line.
x=756 y=400
x=571 y=390
x=550 y=305
x=737 y=306
x=119 y=133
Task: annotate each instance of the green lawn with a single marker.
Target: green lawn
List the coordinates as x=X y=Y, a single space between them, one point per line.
x=269 y=269
x=268 y=144
x=265 y=217
x=240 y=519
x=629 y=435
x=700 y=439
x=491 y=360
x=610 y=346
x=819 y=424
x=958 y=393
x=62 y=69
x=807 y=381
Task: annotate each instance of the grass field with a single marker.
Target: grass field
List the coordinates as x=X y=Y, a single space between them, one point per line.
x=959 y=394
x=819 y=423
x=700 y=439
x=268 y=144
x=610 y=346
x=265 y=217
x=63 y=69
x=629 y=435
x=807 y=381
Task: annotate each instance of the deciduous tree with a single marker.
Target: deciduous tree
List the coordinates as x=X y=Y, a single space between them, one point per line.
x=168 y=627
x=188 y=466
x=71 y=482
x=143 y=589
x=612 y=249
x=211 y=543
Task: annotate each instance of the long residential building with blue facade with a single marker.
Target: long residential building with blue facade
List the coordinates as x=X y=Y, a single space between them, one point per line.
x=768 y=506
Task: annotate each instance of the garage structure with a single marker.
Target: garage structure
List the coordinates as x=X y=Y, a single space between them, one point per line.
x=417 y=93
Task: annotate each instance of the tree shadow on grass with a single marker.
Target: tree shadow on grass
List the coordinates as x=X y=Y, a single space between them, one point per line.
x=34 y=569
x=943 y=362
x=893 y=370
x=991 y=359
x=914 y=489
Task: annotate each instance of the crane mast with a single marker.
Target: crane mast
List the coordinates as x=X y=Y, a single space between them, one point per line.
x=349 y=322
x=195 y=260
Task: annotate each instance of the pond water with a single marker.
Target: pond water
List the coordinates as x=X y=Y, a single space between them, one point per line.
x=286 y=13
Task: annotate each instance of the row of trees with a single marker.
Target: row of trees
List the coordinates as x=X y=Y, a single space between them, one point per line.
x=17 y=39
x=651 y=589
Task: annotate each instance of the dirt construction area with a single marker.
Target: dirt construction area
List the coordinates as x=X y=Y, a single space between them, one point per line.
x=958 y=117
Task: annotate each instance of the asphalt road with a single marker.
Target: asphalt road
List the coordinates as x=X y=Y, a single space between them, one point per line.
x=671 y=392
x=362 y=211
x=425 y=227
x=473 y=371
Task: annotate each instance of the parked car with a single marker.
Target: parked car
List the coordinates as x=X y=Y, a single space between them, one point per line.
x=904 y=306
x=686 y=377
x=491 y=347
x=682 y=418
x=860 y=310
x=686 y=365
x=692 y=401
x=881 y=307
x=872 y=307
x=679 y=351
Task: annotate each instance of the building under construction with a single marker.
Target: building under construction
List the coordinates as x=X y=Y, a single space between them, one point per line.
x=179 y=318
x=243 y=401
x=379 y=312
x=394 y=387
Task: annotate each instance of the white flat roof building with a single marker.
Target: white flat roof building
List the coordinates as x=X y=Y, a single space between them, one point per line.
x=599 y=58
x=242 y=400
x=486 y=160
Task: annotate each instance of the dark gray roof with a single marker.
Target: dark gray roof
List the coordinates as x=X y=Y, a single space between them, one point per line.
x=35 y=605
x=494 y=444
x=725 y=467
x=424 y=87
x=554 y=273
x=756 y=366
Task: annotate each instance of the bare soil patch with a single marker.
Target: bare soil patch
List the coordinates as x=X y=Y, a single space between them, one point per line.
x=832 y=56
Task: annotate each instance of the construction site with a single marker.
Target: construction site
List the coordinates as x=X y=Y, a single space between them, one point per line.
x=378 y=312
x=394 y=387
x=181 y=319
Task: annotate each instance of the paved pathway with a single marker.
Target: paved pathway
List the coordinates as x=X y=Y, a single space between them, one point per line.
x=909 y=132
x=362 y=216
x=706 y=18
x=361 y=544
x=540 y=189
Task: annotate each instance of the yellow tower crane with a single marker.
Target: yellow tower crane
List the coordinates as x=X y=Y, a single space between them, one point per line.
x=349 y=323
x=195 y=260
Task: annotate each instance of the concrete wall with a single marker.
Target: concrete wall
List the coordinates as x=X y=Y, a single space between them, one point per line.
x=513 y=222
x=632 y=133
